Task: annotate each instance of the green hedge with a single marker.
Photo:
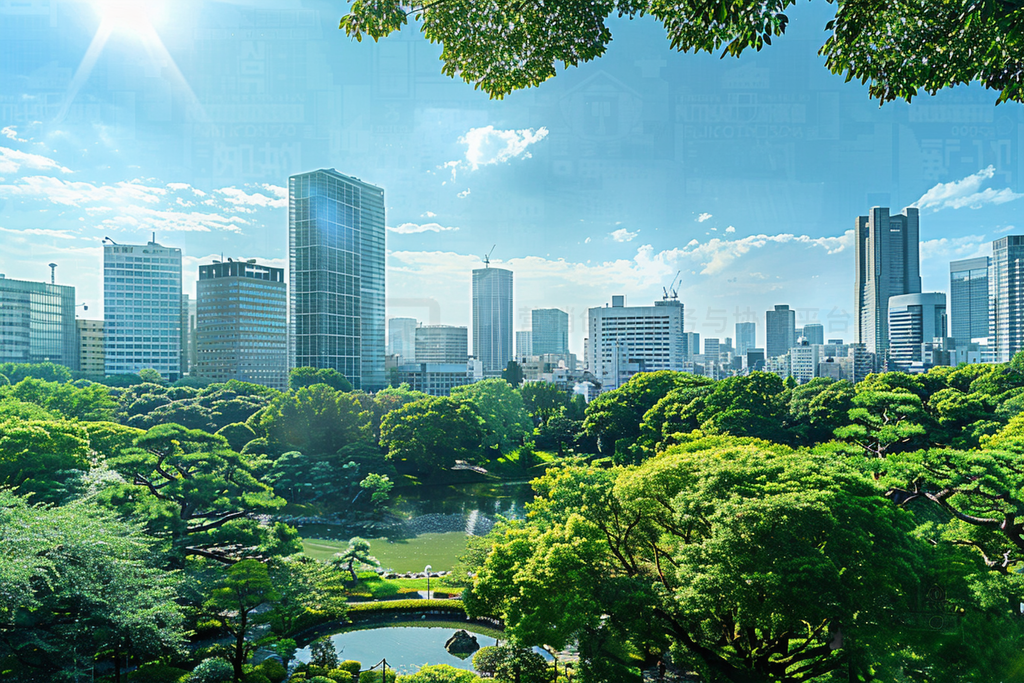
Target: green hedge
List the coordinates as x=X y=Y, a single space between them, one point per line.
x=389 y=606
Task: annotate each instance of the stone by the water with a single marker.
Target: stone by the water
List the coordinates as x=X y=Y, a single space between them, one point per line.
x=462 y=643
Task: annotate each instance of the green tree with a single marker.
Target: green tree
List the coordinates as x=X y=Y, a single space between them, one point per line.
x=357 y=553
x=307 y=377
x=752 y=405
x=882 y=421
x=43 y=459
x=323 y=654
x=92 y=402
x=433 y=433
x=151 y=375
x=79 y=583
x=752 y=561
x=506 y=422
x=543 y=400
x=388 y=399
x=245 y=586
x=314 y=419
x=892 y=48
x=48 y=372
x=816 y=408
x=379 y=487
x=513 y=374
x=308 y=592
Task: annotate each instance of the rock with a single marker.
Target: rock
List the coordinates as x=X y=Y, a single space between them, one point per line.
x=462 y=643
x=391 y=575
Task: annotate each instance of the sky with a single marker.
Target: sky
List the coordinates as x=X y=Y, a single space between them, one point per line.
x=737 y=179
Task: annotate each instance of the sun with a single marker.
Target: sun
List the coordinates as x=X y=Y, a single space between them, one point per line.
x=132 y=16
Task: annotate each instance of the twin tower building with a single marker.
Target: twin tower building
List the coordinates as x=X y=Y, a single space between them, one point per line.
x=248 y=323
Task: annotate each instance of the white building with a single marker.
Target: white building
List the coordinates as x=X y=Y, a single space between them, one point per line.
x=625 y=340
x=914 y=319
x=441 y=344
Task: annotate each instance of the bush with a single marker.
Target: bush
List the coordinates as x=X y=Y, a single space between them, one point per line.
x=368 y=608
x=375 y=676
x=273 y=670
x=156 y=673
x=441 y=673
x=503 y=662
x=486 y=659
x=213 y=670
x=320 y=679
x=255 y=676
x=351 y=666
x=339 y=676
x=322 y=654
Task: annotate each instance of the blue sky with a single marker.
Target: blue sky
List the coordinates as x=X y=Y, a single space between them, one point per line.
x=743 y=174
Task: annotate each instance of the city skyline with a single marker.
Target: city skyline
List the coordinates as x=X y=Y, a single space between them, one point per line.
x=183 y=154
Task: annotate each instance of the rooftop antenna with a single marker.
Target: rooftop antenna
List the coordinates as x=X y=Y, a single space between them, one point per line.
x=154 y=237
x=487 y=257
x=670 y=291
x=110 y=240
x=53 y=273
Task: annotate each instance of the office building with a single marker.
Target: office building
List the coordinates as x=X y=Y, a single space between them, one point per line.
x=691 y=345
x=550 y=331
x=336 y=276
x=91 y=347
x=242 y=324
x=780 y=330
x=524 y=344
x=190 y=322
x=746 y=337
x=37 y=323
x=442 y=344
x=712 y=349
x=887 y=263
x=803 y=361
x=438 y=379
x=814 y=333
x=913 y=320
x=186 y=306
x=968 y=300
x=142 y=309
x=625 y=340
x=1006 y=291
x=402 y=338
x=492 y=318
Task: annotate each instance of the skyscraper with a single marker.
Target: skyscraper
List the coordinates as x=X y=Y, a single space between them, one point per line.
x=550 y=331
x=746 y=337
x=625 y=340
x=37 y=323
x=336 y=276
x=142 y=309
x=913 y=320
x=524 y=343
x=402 y=338
x=887 y=263
x=780 y=331
x=1006 y=288
x=492 y=318
x=91 y=351
x=442 y=344
x=968 y=300
x=242 y=324
x=814 y=333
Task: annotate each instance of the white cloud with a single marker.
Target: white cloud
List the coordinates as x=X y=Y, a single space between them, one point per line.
x=586 y=241
x=703 y=217
x=947 y=248
x=965 y=192
x=463 y=194
x=413 y=228
x=488 y=145
x=42 y=232
x=428 y=214
x=68 y=193
x=11 y=133
x=240 y=198
x=1005 y=228
x=12 y=161
x=276 y=190
x=730 y=229
x=134 y=217
x=623 y=235
x=177 y=187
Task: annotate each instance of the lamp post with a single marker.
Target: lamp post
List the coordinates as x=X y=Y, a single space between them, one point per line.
x=426 y=571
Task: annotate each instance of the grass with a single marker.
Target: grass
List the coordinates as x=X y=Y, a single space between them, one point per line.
x=372 y=587
x=439 y=550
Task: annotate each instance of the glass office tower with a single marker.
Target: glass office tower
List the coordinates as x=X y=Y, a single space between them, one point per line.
x=37 y=323
x=336 y=276
x=550 y=331
x=1006 y=292
x=142 y=309
x=492 y=318
x=968 y=300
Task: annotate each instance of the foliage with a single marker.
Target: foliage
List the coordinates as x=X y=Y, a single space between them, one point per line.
x=505 y=419
x=47 y=372
x=323 y=654
x=299 y=477
x=300 y=378
x=884 y=420
x=309 y=592
x=440 y=673
x=543 y=401
x=244 y=587
x=379 y=487
x=42 y=459
x=314 y=419
x=406 y=606
x=513 y=374
x=508 y=663
x=501 y=47
x=91 y=402
x=237 y=434
x=357 y=553
x=213 y=670
x=431 y=434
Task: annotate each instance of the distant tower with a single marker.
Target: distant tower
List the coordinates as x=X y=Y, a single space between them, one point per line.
x=550 y=331
x=913 y=320
x=1006 y=287
x=746 y=337
x=492 y=318
x=780 y=331
x=968 y=300
x=888 y=263
x=336 y=276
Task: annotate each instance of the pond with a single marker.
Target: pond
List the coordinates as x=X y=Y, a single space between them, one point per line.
x=435 y=522
x=407 y=645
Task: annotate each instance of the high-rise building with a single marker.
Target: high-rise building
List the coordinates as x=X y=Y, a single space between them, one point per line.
x=524 y=344
x=887 y=263
x=550 y=331
x=803 y=361
x=186 y=306
x=625 y=340
x=142 y=309
x=336 y=276
x=746 y=337
x=968 y=300
x=492 y=318
x=242 y=324
x=712 y=349
x=913 y=320
x=691 y=344
x=1006 y=293
x=402 y=338
x=780 y=331
x=37 y=323
x=442 y=344
x=91 y=349
x=814 y=333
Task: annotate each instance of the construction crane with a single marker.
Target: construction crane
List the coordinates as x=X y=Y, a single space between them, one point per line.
x=670 y=291
x=487 y=257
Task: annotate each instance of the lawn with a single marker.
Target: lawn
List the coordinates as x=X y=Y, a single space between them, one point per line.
x=439 y=550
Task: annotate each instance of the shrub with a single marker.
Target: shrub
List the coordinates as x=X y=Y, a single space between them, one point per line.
x=156 y=673
x=320 y=679
x=213 y=670
x=322 y=654
x=375 y=677
x=273 y=670
x=255 y=676
x=486 y=659
x=441 y=673
x=351 y=666
x=454 y=606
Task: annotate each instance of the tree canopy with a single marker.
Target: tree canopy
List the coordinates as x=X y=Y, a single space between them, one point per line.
x=898 y=49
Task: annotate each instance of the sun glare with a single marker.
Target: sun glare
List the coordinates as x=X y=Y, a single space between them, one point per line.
x=135 y=16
